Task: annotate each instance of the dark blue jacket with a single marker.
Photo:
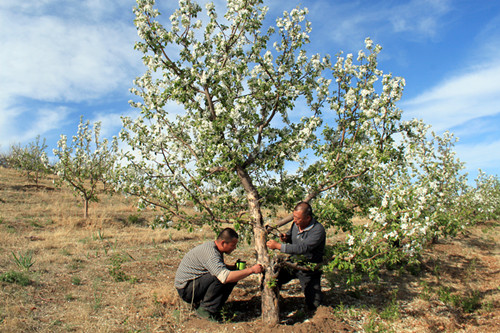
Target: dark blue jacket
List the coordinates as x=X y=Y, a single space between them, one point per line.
x=310 y=243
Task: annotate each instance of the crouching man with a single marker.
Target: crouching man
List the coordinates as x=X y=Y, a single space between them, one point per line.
x=307 y=238
x=204 y=280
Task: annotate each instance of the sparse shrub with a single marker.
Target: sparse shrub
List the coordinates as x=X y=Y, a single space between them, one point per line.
x=426 y=292
x=391 y=311
x=10 y=229
x=158 y=307
x=19 y=278
x=35 y=224
x=97 y=300
x=76 y=263
x=468 y=303
x=444 y=295
x=116 y=272
x=471 y=302
x=76 y=280
x=99 y=236
x=374 y=324
x=135 y=219
x=414 y=269
x=24 y=261
x=226 y=314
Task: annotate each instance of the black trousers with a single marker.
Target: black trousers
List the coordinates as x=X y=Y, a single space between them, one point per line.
x=206 y=292
x=310 y=282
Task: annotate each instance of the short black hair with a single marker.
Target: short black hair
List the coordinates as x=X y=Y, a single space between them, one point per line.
x=304 y=207
x=227 y=235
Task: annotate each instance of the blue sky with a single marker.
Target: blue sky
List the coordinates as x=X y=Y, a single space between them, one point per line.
x=66 y=58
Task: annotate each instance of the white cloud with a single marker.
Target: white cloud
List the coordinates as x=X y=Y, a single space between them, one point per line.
x=111 y=123
x=47 y=120
x=21 y=126
x=50 y=59
x=483 y=156
x=53 y=53
x=459 y=99
x=7 y=126
x=349 y=22
x=419 y=16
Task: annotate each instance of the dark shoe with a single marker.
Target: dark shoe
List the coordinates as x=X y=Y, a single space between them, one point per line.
x=205 y=314
x=310 y=310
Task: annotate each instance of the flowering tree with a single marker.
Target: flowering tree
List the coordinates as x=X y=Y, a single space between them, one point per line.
x=31 y=159
x=265 y=125
x=83 y=164
x=482 y=202
x=414 y=201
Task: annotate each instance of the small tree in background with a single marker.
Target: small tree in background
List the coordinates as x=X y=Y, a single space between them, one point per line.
x=4 y=160
x=31 y=159
x=482 y=202
x=87 y=162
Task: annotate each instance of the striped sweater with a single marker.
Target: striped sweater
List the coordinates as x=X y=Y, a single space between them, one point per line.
x=202 y=259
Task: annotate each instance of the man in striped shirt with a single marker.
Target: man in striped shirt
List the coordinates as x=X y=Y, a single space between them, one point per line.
x=204 y=280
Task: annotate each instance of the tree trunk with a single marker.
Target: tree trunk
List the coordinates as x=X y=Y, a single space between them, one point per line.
x=86 y=208
x=270 y=306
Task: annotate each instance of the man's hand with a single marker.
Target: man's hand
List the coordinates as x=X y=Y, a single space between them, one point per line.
x=273 y=245
x=284 y=238
x=235 y=276
x=257 y=268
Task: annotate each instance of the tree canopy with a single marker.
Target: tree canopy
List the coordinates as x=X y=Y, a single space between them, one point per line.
x=238 y=120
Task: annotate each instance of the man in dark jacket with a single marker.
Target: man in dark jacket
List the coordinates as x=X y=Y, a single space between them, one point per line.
x=305 y=238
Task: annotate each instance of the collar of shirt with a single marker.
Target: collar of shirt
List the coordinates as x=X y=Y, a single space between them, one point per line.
x=309 y=227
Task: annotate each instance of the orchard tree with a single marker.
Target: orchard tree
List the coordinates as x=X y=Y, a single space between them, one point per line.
x=87 y=162
x=31 y=159
x=4 y=160
x=482 y=202
x=264 y=125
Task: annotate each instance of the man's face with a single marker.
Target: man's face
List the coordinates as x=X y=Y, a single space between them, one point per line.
x=228 y=247
x=301 y=219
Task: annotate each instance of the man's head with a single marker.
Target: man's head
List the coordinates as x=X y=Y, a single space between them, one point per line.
x=302 y=215
x=226 y=241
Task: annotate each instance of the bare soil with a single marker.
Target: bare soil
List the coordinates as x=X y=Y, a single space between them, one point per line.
x=113 y=273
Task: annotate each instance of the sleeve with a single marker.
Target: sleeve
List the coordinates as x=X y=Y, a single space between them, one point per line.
x=215 y=266
x=316 y=237
x=289 y=234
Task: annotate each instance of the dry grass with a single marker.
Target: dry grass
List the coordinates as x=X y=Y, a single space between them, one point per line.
x=105 y=274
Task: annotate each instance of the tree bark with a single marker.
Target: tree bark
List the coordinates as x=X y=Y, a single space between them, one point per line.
x=86 y=208
x=270 y=306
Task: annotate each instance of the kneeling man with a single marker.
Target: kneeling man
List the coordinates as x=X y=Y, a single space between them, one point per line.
x=204 y=280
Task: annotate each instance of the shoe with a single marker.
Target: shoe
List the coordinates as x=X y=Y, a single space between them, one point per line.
x=205 y=314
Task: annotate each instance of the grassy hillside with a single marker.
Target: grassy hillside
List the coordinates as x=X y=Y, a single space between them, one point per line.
x=112 y=273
